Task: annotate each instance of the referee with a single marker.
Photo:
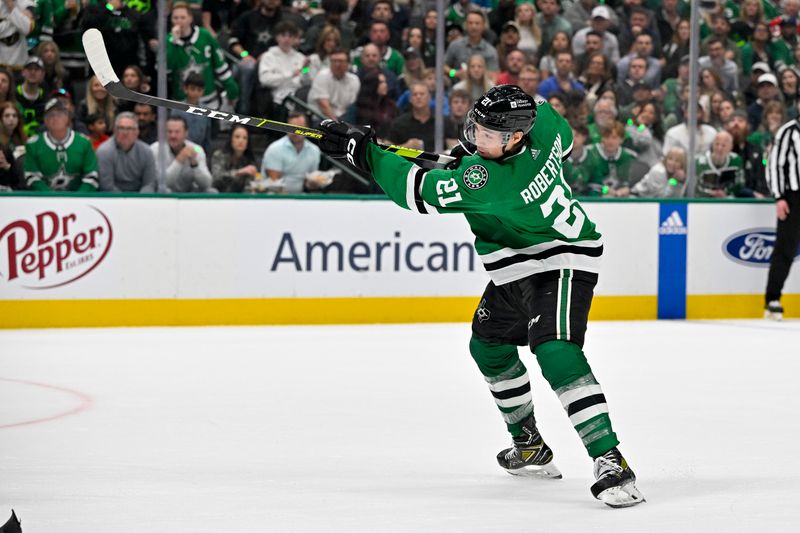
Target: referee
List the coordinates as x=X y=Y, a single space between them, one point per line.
x=783 y=178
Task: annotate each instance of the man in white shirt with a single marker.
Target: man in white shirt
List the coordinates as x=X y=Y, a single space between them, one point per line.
x=334 y=89
x=186 y=169
x=282 y=68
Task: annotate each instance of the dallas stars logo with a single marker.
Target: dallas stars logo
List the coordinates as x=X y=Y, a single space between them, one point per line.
x=476 y=177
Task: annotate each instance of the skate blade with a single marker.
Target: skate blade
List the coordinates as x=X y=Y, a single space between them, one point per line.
x=769 y=315
x=620 y=497
x=548 y=471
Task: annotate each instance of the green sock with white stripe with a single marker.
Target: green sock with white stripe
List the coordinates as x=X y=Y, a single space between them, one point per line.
x=507 y=378
x=564 y=366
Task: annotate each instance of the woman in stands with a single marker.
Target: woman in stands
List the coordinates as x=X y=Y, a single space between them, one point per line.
x=530 y=35
x=12 y=147
x=6 y=86
x=477 y=82
x=596 y=77
x=234 y=167
x=373 y=104
x=676 y=49
x=134 y=79
x=97 y=101
x=330 y=38
x=55 y=75
x=561 y=42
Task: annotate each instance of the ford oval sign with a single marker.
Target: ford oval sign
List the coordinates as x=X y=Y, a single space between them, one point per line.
x=751 y=247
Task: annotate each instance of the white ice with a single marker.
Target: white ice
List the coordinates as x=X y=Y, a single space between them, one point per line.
x=386 y=428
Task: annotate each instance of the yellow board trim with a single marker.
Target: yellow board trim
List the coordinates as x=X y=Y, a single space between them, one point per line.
x=276 y=311
x=704 y=306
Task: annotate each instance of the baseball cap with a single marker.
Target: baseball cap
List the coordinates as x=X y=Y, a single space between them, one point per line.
x=34 y=60
x=509 y=26
x=762 y=66
x=411 y=52
x=601 y=12
x=54 y=104
x=768 y=78
x=60 y=93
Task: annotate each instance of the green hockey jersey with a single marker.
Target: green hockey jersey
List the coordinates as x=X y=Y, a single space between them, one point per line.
x=67 y=166
x=200 y=52
x=728 y=177
x=520 y=208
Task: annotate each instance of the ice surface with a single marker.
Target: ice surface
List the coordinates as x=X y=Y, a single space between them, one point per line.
x=386 y=428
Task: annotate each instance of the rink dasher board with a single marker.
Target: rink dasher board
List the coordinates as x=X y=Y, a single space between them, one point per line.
x=177 y=260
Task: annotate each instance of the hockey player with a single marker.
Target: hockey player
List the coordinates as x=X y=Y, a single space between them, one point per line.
x=60 y=159
x=542 y=254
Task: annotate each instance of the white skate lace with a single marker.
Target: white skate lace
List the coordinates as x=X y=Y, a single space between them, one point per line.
x=604 y=466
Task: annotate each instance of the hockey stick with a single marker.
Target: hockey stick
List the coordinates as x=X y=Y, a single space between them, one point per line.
x=98 y=58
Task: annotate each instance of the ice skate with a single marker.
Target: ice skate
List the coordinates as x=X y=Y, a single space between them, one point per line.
x=616 y=482
x=529 y=456
x=773 y=311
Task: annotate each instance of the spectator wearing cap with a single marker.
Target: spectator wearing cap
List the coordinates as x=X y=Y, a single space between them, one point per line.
x=460 y=50
x=125 y=163
x=515 y=60
x=750 y=92
x=413 y=70
x=31 y=96
x=551 y=22
x=725 y=68
x=788 y=25
x=60 y=159
x=562 y=81
x=766 y=90
x=762 y=48
x=77 y=124
x=530 y=35
x=509 y=39
x=16 y=23
x=579 y=14
x=751 y=152
x=599 y=24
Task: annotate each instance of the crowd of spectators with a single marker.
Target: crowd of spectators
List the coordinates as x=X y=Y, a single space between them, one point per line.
x=618 y=70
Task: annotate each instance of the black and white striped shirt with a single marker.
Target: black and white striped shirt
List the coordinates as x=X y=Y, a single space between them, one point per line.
x=783 y=168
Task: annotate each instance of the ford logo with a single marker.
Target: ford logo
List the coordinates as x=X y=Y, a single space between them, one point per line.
x=751 y=247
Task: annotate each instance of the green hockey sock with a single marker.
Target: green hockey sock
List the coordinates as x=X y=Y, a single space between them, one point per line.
x=507 y=378
x=564 y=366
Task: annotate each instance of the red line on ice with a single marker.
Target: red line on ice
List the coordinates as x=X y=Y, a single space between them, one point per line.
x=85 y=399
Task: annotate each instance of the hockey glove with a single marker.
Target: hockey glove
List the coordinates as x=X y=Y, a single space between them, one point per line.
x=343 y=141
x=460 y=151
